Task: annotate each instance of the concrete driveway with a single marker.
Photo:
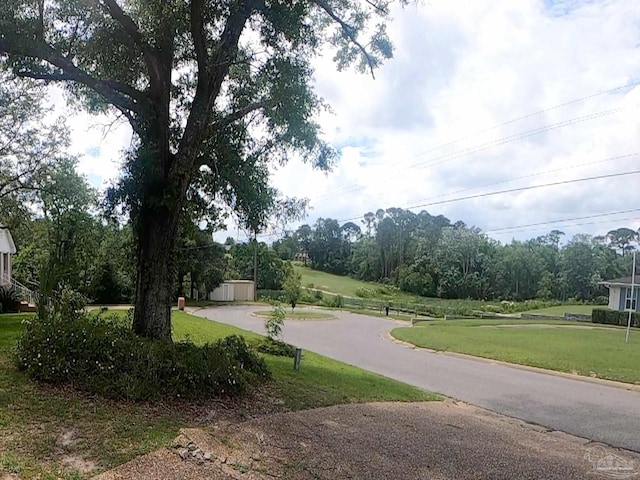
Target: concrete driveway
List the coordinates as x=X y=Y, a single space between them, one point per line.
x=595 y=411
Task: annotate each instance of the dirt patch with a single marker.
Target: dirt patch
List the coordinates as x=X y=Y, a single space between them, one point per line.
x=440 y=441
x=68 y=437
x=78 y=464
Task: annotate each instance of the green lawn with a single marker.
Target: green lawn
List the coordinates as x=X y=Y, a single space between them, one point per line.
x=299 y=314
x=33 y=418
x=328 y=282
x=560 y=310
x=347 y=287
x=600 y=352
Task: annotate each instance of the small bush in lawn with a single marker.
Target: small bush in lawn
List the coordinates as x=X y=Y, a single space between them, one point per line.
x=337 y=301
x=276 y=347
x=363 y=292
x=308 y=297
x=102 y=355
x=68 y=303
x=9 y=300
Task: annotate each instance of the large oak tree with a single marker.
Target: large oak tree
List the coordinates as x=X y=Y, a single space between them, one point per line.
x=215 y=91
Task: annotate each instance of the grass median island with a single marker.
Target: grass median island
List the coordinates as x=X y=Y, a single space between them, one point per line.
x=562 y=346
x=300 y=314
x=55 y=432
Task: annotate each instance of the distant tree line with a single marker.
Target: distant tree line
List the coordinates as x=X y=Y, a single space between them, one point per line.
x=430 y=256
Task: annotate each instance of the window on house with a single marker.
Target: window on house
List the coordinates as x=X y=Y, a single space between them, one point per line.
x=630 y=303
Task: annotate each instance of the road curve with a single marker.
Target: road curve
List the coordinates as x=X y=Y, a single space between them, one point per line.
x=598 y=412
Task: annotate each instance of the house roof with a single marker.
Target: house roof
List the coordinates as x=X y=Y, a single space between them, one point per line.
x=622 y=281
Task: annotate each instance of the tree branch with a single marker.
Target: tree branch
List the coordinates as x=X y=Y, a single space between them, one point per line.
x=228 y=46
x=381 y=10
x=238 y=114
x=40 y=25
x=118 y=94
x=198 y=34
x=207 y=91
x=150 y=56
x=348 y=31
x=123 y=19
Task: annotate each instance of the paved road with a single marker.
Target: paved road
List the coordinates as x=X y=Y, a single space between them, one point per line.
x=598 y=412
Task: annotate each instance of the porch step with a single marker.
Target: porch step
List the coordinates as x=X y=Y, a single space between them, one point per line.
x=26 y=307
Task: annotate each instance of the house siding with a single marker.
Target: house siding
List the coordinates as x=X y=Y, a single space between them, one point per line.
x=622 y=297
x=614 y=298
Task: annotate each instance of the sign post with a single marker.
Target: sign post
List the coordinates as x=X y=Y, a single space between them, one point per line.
x=297 y=358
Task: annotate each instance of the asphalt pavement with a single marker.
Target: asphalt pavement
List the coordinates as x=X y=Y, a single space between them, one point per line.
x=595 y=411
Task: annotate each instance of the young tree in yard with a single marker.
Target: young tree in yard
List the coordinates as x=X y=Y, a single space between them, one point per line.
x=215 y=91
x=274 y=323
x=293 y=289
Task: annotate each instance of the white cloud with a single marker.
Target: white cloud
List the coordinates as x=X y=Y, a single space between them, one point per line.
x=97 y=140
x=461 y=67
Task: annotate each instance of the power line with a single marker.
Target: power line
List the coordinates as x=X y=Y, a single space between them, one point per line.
x=513 y=120
x=485 y=146
x=627 y=219
x=512 y=190
x=533 y=114
x=552 y=222
x=545 y=172
x=512 y=138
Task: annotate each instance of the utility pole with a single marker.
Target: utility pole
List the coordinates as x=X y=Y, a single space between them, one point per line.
x=633 y=305
x=255 y=266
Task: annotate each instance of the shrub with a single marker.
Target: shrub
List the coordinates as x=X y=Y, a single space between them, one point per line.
x=68 y=303
x=276 y=347
x=364 y=292
x=614 y=317
x=271 y=295
x=335 y=301
x=506 y=306
x=9 y=300
x=102 y=355
x=318 y=295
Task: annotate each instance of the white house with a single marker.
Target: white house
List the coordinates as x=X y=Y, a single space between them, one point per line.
x=233 y=291
x=7 y=248
x=620 y=293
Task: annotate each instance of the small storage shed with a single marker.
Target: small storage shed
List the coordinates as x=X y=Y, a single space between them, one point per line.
x=233 y=291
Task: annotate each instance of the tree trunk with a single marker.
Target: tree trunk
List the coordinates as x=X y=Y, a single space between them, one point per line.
x=156 y=274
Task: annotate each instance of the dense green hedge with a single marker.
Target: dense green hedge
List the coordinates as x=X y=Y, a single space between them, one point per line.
x=614 y=317
x=102 y=355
